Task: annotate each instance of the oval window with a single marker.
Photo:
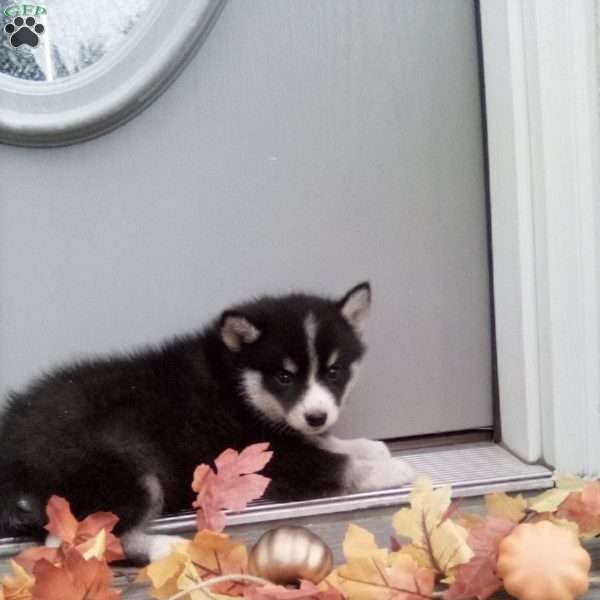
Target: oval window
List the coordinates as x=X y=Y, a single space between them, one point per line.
x=71 y=70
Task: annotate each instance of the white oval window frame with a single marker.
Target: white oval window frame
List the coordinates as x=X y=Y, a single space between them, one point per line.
x=115 y=89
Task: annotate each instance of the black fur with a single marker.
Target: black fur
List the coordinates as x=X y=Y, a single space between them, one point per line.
x=91 y=431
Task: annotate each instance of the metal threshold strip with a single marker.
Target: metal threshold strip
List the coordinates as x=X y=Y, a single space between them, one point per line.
x=471 y=469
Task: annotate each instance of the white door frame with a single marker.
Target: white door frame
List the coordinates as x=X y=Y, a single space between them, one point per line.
x=541 y=88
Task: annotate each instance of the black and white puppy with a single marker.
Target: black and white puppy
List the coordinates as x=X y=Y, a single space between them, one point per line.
x=124 y=434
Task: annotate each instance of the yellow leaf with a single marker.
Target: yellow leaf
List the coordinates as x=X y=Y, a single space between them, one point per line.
x=189 y=578
x=17 y=586
x=365 y=579
x=419 y=555
x=443 y=540
x=216 y=553
x=164 y=573
x=358 y=542
x=427 y=508
x=572 y=483
x=365 y=562
x=449 y=546
x=549 y=501
x=506 y=507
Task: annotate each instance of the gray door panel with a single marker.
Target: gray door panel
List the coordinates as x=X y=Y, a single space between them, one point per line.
x=309 y=145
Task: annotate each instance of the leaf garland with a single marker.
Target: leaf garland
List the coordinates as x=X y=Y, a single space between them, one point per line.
x=436 y=552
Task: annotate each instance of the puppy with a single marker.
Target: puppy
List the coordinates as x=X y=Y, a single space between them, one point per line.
x=124 y=434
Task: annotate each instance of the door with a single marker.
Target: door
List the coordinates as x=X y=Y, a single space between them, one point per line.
x=308 y=145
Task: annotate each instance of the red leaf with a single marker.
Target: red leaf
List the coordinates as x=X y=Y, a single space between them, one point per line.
x=451 y=510
x=477 y=578
x=590 y=495
x=581 y=510
x=250 y=460
x=233 y=485
x=395 y=545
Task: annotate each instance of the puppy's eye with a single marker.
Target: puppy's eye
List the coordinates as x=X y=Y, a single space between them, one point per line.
x=284 y=377
x=332 y=373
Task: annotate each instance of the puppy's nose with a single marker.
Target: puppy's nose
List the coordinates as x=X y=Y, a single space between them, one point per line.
x=316 y=419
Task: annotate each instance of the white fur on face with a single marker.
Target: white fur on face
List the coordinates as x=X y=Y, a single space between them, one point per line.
x=260 y=398
x=316 y=399
x=354 y=370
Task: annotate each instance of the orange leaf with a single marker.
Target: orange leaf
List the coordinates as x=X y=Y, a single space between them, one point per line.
x=208 y=555
x=61 y=522
x=72 y=533
x=75 y=579
x=28 y=558
x=232 y=486
x=215 y=554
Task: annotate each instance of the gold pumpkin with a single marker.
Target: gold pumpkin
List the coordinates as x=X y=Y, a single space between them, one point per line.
x=542 y=561
x=286 y=554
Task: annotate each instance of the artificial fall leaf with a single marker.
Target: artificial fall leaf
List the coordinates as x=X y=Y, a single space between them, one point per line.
x=436 y=541
x=468 y=520
x=571 y=483
x=508 y=507
x=163 y=575
x=87 y=536
x=17 y=586
x=477 y=578
x=359 y=543
x=365 y=578
x=583 y=509
x=548 y=501
x=304 y=592
x=76 y=579
x=395 y=545
x=232 y=486
x=214 y=554
x=208 y=555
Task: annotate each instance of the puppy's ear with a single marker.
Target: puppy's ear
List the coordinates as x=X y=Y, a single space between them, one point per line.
x=355 y=305
x=236 y=330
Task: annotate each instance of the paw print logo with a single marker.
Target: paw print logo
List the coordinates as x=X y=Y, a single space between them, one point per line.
x=24 y=31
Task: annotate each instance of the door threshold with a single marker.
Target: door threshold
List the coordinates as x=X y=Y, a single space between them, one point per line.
x=471 y=469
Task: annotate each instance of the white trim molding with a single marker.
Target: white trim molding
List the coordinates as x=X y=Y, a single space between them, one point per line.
x=543 y=137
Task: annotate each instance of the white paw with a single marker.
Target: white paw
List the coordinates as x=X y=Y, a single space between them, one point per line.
x=160 y=546
x=370 y=450
x=400 y=473
x=366 y=475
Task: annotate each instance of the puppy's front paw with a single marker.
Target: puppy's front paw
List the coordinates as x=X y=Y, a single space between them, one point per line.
x=370 y=450
x=400 y=473
x=367 y=475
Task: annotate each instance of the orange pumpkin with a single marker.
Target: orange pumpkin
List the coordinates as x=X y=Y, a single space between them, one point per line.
x=542 y=561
